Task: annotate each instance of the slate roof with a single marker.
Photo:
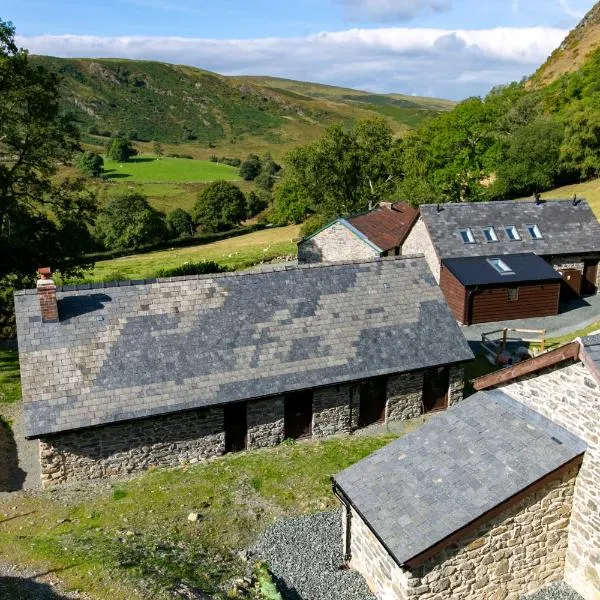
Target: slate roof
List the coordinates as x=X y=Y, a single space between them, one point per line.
x=462 y=463
x=591 y=347
x=386 y=225
x=123 y=351
x=476 y=270
x=566 y=229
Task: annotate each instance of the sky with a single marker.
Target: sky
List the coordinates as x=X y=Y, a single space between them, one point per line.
x=442 y=48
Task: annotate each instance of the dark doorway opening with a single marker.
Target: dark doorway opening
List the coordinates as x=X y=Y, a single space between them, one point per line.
x=590 y=273
x=373 y=396
x=236 y=427
x=298 y=413
x=435 y=389
x=571 y=287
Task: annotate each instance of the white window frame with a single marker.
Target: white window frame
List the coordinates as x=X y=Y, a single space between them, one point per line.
x=469 y=234
x=537 y=234
x=492 y=234
x=500 y=266
x=513 y=229
x=514 y=292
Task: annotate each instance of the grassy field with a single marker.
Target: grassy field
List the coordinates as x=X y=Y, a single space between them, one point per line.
x=236 y=252
x=148 y=168
x=132 y=540
x=590 y=190
x=10 y=385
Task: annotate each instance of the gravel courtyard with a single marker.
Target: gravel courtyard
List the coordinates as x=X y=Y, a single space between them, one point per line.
x=304 y=555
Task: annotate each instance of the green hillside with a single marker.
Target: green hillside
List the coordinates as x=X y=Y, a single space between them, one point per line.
x=177 y=104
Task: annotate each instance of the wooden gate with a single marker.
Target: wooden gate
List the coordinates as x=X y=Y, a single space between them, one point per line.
x=572 y=283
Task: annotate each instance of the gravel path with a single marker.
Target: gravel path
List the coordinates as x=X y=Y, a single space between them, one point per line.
x=304 y=555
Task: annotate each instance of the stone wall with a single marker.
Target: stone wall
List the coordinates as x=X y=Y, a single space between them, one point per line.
x=570 y=397
x=419 y=242
x=515 y=553
x=335 y=243
x=265 y=422
x=124 y=448
x=174 y=439
x=457 y=384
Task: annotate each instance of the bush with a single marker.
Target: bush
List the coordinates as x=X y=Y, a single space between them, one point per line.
x=250 y=168
x=180 y=223
x=120 y=149
x=129 y=222
x=198 y=268
x=91 y=164
x=255 y=204
x=220 y=206
x=177 y=155
x=312 y=224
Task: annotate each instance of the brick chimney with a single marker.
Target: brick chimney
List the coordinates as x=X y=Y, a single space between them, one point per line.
x=47 y=295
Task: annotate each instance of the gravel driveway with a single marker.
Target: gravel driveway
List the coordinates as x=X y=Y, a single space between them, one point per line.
x=304 y=555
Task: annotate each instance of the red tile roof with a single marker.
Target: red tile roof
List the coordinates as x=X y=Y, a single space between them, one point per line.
x=387 y=225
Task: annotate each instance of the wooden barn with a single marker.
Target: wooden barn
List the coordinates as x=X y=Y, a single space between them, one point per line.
x=483 y=289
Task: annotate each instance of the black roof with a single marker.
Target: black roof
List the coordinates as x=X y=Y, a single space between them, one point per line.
x=566 y=228
x=478 y=270
x=462 y=463
x=123 y=351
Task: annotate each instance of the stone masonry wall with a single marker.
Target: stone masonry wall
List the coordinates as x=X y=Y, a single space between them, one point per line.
x=404 y=396
x=124 y=448
x=265 y=422
x=457 y=385
x=515 y=553
x=419 y=242
x=336 y=243
x=571 y=398
x=332 y=410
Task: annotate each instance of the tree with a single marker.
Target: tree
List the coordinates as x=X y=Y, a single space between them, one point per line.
x=129 y=222
x=180 y=223
x=37 y=210
x=255 y=203
x=220 y=206
x=157 y=148
x=120 y=149
x=91 y=164
x=250 y=168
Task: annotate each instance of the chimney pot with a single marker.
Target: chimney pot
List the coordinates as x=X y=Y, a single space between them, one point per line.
x=47 y=296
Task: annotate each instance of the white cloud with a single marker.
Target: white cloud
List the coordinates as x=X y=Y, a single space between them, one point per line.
x=446 y=63
x=392 y=10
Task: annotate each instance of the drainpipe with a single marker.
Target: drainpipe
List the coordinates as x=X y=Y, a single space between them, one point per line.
x=347 y=538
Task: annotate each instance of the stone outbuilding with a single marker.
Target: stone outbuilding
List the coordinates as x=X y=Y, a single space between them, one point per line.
x=565 y=233
x=376 y=233
x=118 y=377
x=493 y=499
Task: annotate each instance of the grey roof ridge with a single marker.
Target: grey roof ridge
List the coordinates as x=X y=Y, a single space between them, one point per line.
x=580 y=200
x=250 y=271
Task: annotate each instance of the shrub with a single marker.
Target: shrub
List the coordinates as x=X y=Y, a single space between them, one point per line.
x=255 y=204
x=198 y=268
x=312 y=224
x=220 y=206
x=120 y=149
x=250 y=168
x=91 y=164
x=180 y=223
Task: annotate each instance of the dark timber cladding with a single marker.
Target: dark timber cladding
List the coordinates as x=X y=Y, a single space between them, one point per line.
x=484 y=289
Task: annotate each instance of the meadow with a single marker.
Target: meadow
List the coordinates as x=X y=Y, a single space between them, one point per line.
x=235 y=253
x=590 y=190
x=149 y=168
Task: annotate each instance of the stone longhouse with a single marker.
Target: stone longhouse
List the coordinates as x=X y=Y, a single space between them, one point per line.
x=515 y=510
x=121 y=376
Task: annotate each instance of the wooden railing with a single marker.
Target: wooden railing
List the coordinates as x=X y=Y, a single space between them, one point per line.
x=496 y=348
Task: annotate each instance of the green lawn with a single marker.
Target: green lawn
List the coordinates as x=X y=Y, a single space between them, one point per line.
x=133 y=540
x=237 y=252
x=590 y=190
x=148 y=168
x=10 y=382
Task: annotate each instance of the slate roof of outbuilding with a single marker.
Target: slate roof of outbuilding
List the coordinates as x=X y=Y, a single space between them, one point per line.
x=464 y=462
x=476 y=270
x=123 y=351
x=591 y=347
x=566 y=229
x=386 y=225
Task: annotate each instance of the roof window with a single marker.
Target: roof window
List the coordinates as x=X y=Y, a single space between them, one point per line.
x=534 y=232
x=490 y=234
x=500 y=266
x=466 y=235
x=512 y=233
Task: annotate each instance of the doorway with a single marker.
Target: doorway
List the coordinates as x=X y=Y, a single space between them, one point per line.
x=572 y=283
x=236 y=427
x=435 y=389
x=590 y=274
x=373 y=397
x=298 y=413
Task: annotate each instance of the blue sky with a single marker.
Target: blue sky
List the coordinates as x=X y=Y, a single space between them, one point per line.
x=449 y=48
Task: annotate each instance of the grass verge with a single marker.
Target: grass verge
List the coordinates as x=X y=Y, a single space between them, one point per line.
x=134 y=540
x=234 y=253
x=10 y=381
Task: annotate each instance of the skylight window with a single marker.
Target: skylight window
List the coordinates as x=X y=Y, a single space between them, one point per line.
x=500 y=266
x=534 y=232
x=512 y=233
x=490 y=234
x=466 y=235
